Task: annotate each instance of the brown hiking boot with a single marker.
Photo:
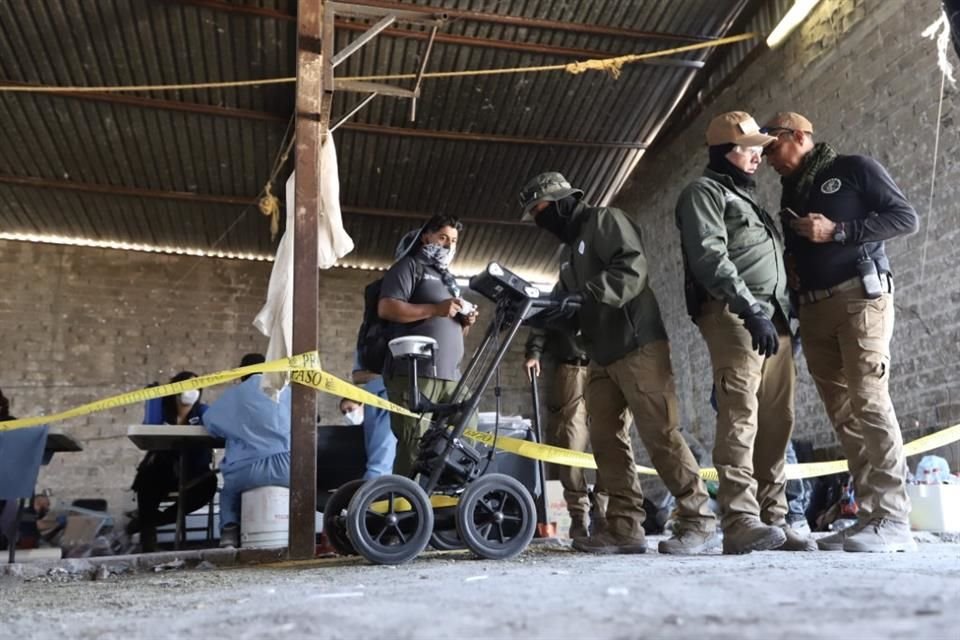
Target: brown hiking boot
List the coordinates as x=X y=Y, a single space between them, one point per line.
x=796 y=541
x=881 y=536
x=749 y=534
x=598 y=525
x=834 y=541
x=689 y=542
x=578 y=528
x=607 y=544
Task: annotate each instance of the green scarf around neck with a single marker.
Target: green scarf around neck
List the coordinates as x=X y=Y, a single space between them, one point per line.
x=796 y=187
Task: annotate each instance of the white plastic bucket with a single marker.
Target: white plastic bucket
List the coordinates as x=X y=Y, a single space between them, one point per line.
x=265 y=517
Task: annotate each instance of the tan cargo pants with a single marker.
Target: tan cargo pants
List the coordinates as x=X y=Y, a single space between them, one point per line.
x=642 y=382
x=846 y=341
x=754 y=417
x=567 y=428
x=408 y=430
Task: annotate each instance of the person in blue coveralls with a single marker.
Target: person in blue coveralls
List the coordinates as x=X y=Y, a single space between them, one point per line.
x=379 y=441
x=257 y=432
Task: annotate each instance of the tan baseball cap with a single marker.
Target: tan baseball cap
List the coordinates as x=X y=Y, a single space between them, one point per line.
x=736 y=127
x=788 y=120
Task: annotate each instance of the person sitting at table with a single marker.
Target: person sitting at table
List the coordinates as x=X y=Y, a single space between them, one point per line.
x=352 y=412
x=158 y=474
x=257 y=432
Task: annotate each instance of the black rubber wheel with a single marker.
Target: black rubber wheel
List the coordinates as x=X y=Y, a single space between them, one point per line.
x=335 y=518
x=445 y=536
x=496 y=517
x=390 y=520
x=447 y=540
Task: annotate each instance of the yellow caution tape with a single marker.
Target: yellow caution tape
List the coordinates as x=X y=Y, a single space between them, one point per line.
x=305 y=369
x=527 y=449
x=323 y=381
x=566 y=457
x=304 y=361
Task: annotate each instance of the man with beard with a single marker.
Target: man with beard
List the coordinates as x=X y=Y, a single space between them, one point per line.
x=842 y=208
x=420 y=296
x=626 y=342
x=736 y=289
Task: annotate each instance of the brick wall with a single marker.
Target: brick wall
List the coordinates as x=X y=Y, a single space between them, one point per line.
x=80 y=324
x=862 y=73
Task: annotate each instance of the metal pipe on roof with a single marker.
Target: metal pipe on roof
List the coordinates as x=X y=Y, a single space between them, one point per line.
x=130 y=192
x=535 y=23
x=484 y=137
x=368 y=35
x=457 y=14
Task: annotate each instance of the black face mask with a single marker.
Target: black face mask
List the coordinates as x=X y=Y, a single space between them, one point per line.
x=721 y=164
x=556 y=218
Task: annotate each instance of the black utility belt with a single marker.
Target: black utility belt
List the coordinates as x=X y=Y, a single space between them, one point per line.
x=576 y=362
x=809 y=297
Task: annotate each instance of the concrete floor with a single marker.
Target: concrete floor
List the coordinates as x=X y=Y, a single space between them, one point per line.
x=549 y=592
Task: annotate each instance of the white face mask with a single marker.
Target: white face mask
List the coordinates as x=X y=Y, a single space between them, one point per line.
x=354 y=417
x=187 y=398
x=439 y=254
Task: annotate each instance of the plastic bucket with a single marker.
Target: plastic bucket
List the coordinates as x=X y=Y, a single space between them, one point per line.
x=265 y=517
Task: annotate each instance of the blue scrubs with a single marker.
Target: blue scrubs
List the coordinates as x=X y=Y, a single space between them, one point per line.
x=257 y=432
x=378 y=438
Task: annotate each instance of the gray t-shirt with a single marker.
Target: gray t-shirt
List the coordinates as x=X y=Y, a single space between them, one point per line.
x=401 y=283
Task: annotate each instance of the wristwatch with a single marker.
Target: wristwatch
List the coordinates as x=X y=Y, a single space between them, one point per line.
x=840 y=233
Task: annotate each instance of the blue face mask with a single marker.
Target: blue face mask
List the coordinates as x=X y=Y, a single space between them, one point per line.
x=438 y=254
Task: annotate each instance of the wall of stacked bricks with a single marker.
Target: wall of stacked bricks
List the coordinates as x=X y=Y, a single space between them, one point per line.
x=870 y=84
x=81 y=324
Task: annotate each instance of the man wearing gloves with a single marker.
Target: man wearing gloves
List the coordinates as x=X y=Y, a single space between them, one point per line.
x=736 y=290
x=257 y=432
x=626 y=342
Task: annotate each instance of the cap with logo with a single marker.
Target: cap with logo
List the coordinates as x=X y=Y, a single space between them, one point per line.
x=736 y=127
x=790 y=121
x=550 y=186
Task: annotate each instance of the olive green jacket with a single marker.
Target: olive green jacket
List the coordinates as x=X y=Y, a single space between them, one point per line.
x=733 y=250
x=606 y=263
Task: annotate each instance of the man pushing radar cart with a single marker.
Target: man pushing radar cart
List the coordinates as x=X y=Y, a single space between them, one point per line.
x=449 y=496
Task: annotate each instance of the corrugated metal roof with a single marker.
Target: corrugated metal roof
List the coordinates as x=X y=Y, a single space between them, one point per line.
x=220 y=144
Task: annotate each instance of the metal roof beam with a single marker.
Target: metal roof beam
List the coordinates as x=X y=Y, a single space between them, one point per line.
x=527 y=47
x=538 y=23
x=248 y=114
x=205 y=198
x=132 y=192
x=454 y=14
x=160 y=103
x=415 y=215
x=483 y=137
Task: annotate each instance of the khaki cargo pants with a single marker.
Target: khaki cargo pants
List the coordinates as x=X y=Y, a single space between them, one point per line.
x=567 y=428
x=408 y=430
x=846 y=341
x=642 y=382
x=754 y=417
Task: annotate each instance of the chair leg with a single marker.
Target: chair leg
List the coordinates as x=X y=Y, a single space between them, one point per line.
x=210 y=517
x=15 y=532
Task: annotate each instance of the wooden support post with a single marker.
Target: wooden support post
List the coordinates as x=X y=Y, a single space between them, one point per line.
x=310 y=129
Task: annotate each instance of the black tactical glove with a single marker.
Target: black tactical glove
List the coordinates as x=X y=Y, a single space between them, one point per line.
x=766 y=338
